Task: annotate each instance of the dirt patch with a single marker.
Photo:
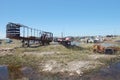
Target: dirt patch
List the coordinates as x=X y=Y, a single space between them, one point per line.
x=40 y=53
x=6 y=51
x=73 y=67
x=97 y=56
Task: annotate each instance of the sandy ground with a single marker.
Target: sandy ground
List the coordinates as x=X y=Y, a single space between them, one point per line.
x=72 y=67
x=97 y=56
x=6 y=51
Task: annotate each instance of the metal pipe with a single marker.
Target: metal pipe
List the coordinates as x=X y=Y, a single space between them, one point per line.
x=27 y=32
x=31 y=31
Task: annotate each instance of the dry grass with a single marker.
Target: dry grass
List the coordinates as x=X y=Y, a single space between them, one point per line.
x=38 y=56
x=15 y=43
x=59 y=53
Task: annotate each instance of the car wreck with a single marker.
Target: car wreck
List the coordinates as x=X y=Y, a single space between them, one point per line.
x=105 y=48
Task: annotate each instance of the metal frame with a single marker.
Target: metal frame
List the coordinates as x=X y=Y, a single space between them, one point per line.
x=13 y=31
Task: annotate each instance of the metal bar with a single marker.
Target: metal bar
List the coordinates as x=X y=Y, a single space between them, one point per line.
x=27 y=32
x=34 y=32
x=31 y=31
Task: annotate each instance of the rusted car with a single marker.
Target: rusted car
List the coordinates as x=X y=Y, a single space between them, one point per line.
x=105 y=48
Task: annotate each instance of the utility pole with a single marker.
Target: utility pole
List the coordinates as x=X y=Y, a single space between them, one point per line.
x=61 y=34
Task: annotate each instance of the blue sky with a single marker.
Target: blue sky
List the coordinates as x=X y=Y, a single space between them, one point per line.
x=72 y=17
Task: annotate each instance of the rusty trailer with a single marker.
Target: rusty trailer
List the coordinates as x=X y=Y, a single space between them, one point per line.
x=27 y=34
